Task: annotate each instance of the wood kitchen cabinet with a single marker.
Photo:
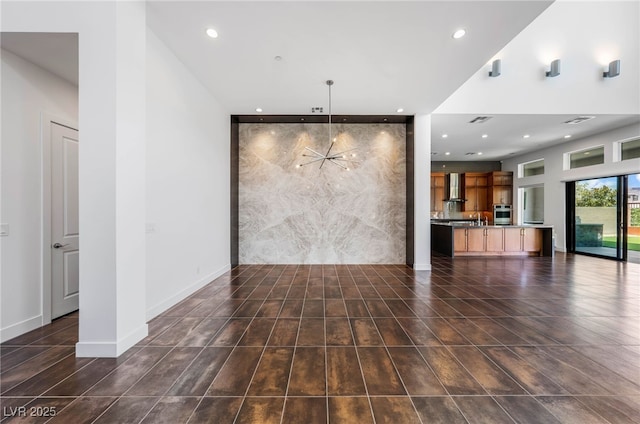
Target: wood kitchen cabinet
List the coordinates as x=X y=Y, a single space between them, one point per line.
x=454 y=240
x=500 y=188
x=531 y=240
x=501 y=195
x=494 y=241
x=475 y=191
x=459 y=239
x=501 y=178
x=478 y=240
x=497 y=241
x=475 y=240
x=522 y=240
x=437 y=191
x=512 y=240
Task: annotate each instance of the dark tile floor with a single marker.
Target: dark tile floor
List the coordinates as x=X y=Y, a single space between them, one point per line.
x=535 y=340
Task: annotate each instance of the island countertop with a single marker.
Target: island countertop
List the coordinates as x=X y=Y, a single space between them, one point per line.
x=468 y=224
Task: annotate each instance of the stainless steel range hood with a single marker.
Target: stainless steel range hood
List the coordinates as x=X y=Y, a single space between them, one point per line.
x=454 y=187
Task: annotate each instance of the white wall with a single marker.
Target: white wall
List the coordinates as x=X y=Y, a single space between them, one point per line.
x=585 y=35
x=28 y=91
x=111 y=162
x=422 y=193
x=555 y=176
x=188 y=186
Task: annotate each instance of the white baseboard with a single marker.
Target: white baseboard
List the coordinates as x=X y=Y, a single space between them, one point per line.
x=156 y=310
x=20 y=328
x=422 y=267
x=111 y=349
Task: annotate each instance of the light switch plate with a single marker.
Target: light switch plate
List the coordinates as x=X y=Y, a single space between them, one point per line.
x=4 y=230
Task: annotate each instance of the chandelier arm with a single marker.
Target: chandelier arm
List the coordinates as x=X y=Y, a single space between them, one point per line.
x=345 y=151
x=338 y=164
x=317 y=153
x=312 y=161
x=334 y=158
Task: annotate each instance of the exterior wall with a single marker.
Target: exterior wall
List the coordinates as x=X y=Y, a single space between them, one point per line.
x=599 y=215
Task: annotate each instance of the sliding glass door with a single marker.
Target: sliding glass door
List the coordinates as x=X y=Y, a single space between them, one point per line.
x=600 y=221
x=633 y=218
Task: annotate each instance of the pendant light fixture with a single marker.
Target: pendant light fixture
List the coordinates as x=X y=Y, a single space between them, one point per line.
x=338 y=159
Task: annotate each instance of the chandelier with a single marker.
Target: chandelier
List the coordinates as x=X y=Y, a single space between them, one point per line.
x=338 y=159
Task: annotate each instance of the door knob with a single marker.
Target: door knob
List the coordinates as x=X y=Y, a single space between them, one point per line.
x=58 y=245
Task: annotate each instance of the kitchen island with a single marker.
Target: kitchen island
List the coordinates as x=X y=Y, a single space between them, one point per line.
x=465 y=239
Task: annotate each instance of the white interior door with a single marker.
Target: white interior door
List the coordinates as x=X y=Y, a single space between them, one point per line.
x=64 y=220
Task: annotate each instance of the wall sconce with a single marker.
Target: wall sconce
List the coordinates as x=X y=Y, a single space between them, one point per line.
x=554 y=71
x=614 y=70
x=495 y=68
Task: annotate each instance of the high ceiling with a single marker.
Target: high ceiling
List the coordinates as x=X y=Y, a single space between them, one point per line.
x=382 y=55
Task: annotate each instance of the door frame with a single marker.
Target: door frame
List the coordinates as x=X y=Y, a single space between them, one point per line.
x=46 y=121
x=622 y=182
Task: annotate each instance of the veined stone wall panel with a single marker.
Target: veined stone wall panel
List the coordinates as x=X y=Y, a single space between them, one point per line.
x=329 y=215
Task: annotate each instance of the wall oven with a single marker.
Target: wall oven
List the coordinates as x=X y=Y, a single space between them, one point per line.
x=501 y=214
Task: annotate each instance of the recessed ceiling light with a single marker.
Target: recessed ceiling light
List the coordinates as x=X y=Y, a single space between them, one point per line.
x=258 y=109
x=479 y=153
x=526 y=136
x=485 y=135
x=212 y=33
x=278 y=58
x=459 y=33
x=445 y=135
x=447 y=153
x=400 y=110
x=567 y=136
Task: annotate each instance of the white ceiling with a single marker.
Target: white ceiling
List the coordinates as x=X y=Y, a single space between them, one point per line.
x=505 y=134
x=382 y=55
x=57 y=53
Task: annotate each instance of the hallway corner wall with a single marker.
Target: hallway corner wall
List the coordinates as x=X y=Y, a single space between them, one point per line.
x=188 y=171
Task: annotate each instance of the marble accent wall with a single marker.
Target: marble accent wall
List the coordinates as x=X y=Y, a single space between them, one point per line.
x=330 y=215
